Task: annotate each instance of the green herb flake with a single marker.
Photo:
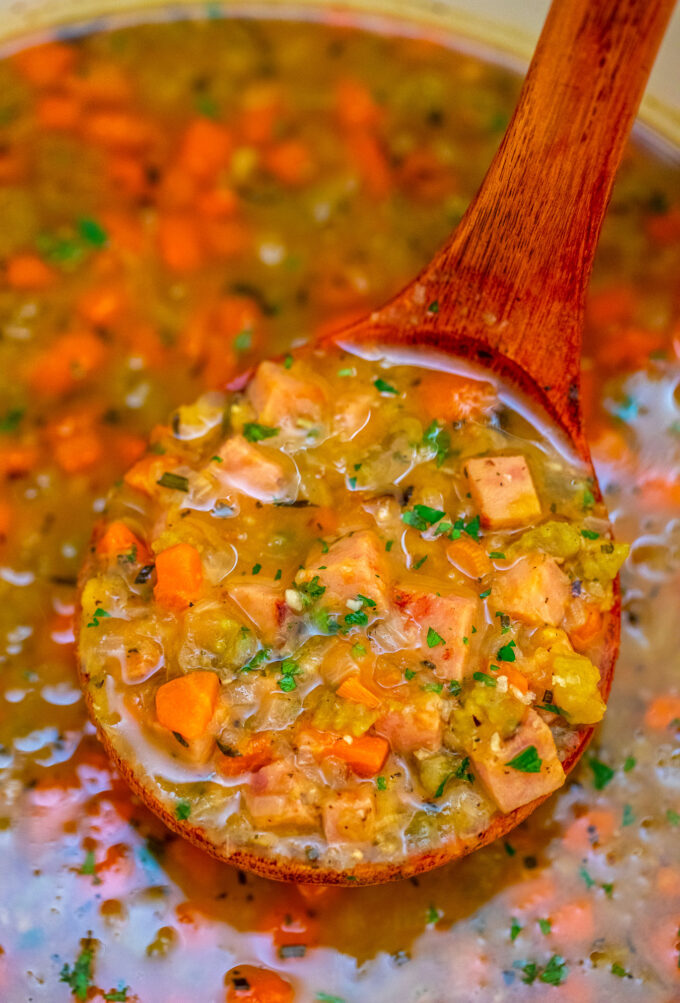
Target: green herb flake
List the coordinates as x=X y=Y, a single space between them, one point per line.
x=509 y=849
x=92 y=232
x=243 y=340
x=515 y=928
x=583 y=873
x=432 y=914
x=409 y=674
x=472 y=528
x=483 y=677
x=433 y=638
x=216 y=459
x=388 y=545
x=552 y=708
x=358 y=650
x=545 y=926
x=433 y=307
x=256 y=661
x=310 y=591
x=607 y=888
x=10 y=421
x=602 y=774
x=117 y=995
x=555 y=972
x=99 y=614
x=288 y=362
x=485 y=594
x=590 y=534
x=422 y=516
x=381 y=783
x=277 y=576
x=348 y=371
x=182 y=811
x=442 y=787
x=437 y=437
x=328 y=998
x=176 y=482
x=463 y=771
x=454 y=687
x=507 y=652
x=496 y=555
x=673 y=817
x=629 y=764
x=79 y=976
x=356 y=619
x=254 y=432
x=384 y=388
x=588 y=499
x=419 y=563
x=527 y=761
x=433 y=687
x=628 y=816
x=257 y=568
x=89 y=864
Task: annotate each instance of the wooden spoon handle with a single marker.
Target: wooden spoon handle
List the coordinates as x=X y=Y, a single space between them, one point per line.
x=513 y=275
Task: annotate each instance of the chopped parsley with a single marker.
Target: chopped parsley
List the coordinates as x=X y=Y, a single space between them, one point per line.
x=555 y=972
x=515 y=929
x=590 y=882
x=472 y=528
x=496 y=555
x=174 y=481
x=454 y=687
x=79 y=976
x=619 y=970
x=409 y=674
x=182 y=811
x=440 y=790
x=552 y=708
x=545 y=926
x=381 y=783
x=419 y=563
x=92 y=232
x=99 y=614
x=310 y=591
x=527 y=761
x=590 y=534
x=327 y=998
x=485 y=594
x=289 y=669
x=673 y=817
x=439 y=439
x=356 y=619
x=277 y=576
x=433 y=687
x=117 y=995
x=388 y=545
x=602 y=774
x=11 y=419
x=257 y=568
x=288 y=361
x=433 y=307
x=358 y=650
x=347 y=371
x=629 y=764
x=432 y=914
x=483 y=677
x=588 y=498
x=422 y=516
x=256 y=661
x=433 y=638
x=463 y=771
x=89 y=864
x=243 y=340
x=383 y=387
x=628 y=816
x=506 y=653
x=254 y=432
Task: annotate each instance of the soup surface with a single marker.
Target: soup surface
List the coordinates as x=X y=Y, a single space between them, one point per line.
x=179 y=200
x=349 y=593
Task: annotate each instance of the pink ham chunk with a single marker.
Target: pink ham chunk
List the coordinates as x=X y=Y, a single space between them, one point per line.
x=285 y=401
x=256 y=471
x=349 y=817
x=354 y=565
x=503 y=490
x=511 y=787
x=437 y=625
x=417 y=725
x=534 y=590
x=263 y=603
x=275 y=800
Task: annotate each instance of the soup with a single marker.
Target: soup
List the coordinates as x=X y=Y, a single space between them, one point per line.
x=179 y=201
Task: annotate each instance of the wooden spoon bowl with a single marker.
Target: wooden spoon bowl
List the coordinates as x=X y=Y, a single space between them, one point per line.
x=507 y=292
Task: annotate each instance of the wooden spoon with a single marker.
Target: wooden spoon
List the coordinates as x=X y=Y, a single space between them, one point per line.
x=507 y=290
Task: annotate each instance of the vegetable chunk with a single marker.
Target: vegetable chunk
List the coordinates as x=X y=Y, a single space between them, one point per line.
x=255 y=471
x=179 y=577
x=437 y=625
x=273 y=799
x=350 y=816
x=533 y=774
x=535 y=590
x=186 y=704
x=503 y=490
x=263 y=603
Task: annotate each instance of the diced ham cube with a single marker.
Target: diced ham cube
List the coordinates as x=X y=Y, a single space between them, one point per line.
x=354 y=565
x=417 y=725
x=256 y=471
x=438 y=624
x=285 y=401
x=503 y=490
x=534 y=590
x=263 y=603
x=274 y=799
x=510 y=787
x=349 y=817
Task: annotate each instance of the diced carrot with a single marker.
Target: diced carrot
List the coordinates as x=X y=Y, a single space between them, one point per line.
x=179 y=242
x=227 y=238
x=354 y=690
x=5 y=520
x=663 y=712
x=586 y=632
x=205 y=148
x=101 y=305
x=17 y=460
x=128 y=174
x=58 y=111
x=68 y=361
x=469 y=557
x=262 y=107
x=248 y=984
x=257 y=753
x=146 y=473
x=179 y=576
x=451 y=397
x=573 y=921
x=80 y=452
x=365 y=755
x=370 y=160
x=45 y=64
x=117 y=540
x=515 y=677
x=187 y=704
x=591 y=830
x=355 y=105
x=117 y=130
x=28 y=271
x=217 y=202
x=290 y=161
